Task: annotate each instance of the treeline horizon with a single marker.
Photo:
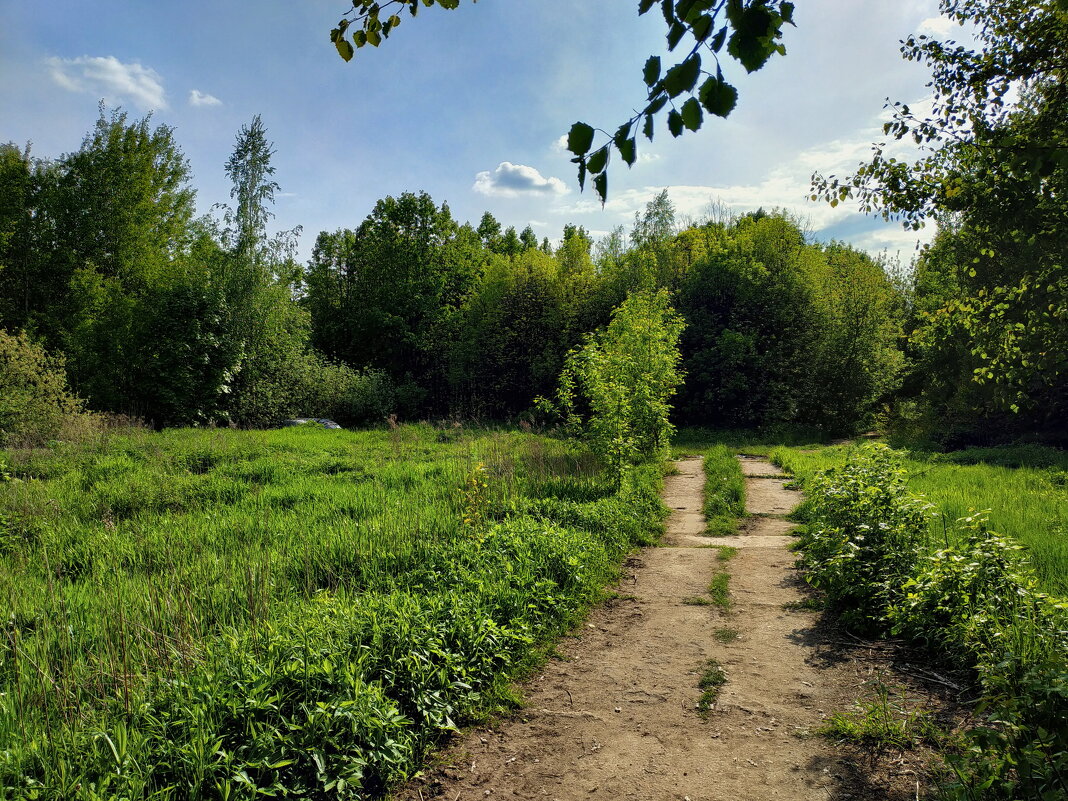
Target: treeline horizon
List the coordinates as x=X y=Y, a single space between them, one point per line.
x=107 y=273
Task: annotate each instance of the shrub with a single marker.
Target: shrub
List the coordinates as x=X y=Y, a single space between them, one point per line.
x=864 y=533
x=35 y=405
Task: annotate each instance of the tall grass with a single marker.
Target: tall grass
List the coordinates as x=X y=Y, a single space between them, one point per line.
x=216 y=614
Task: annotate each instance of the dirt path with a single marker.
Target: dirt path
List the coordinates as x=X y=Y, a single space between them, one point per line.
x=617 y=717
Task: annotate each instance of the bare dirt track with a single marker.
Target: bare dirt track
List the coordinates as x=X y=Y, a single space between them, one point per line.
x=617 y=717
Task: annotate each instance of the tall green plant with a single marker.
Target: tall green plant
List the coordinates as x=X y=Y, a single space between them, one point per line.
x=623 y=379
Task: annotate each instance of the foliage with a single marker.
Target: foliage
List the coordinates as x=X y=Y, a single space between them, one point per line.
x=626 y=375
x=35 y=404
x=992 y=171
x=975 y=602
x=863 y=534
x=388 y=295
x=782 y=331
x=750 y=29
x=298 y=612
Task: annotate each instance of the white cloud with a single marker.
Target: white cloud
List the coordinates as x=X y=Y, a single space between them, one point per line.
x=560 y=145
x=198 y=98
x=107 y=77
x=513 y=180
x=937 y=26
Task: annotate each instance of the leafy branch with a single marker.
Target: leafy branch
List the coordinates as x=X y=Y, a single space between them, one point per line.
x=751 y=31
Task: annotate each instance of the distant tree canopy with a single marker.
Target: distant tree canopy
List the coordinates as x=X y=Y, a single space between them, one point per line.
x=749 y=31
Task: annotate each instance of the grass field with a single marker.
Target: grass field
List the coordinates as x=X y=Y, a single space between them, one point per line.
x=1025 y=490
x=218 y=614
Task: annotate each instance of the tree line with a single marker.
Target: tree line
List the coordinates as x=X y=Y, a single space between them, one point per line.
x=179 y=319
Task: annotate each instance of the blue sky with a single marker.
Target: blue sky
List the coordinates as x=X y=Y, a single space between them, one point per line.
x=468 y=105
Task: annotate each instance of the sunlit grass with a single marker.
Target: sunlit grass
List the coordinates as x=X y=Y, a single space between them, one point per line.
x=227 y=614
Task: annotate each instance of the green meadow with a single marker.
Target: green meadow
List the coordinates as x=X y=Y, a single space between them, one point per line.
x=225 y=614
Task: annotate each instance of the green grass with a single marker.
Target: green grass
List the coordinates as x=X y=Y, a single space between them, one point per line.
x=1025 y=489
x=724 y=493
x=218 y=614
x=887 y=720
x=713 y=677
x=726 y=635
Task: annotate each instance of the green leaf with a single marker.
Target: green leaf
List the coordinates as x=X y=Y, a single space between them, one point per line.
x=691 y=114
x=645 y=5
x=658 y=103
x=702 y=27
x=344 y=48
x=786 y=11
x=580 y=138
x=675 y=123
x=668 y=7
x=598 y=159
x=628 y=149
x=647 y=128
x=682 y=77
x=652 y=70
x=675 y=34
x=374 y=38
x=753 y=40
x=719 y=39
x=600 y=184
x=718 y=97
x=581 y=162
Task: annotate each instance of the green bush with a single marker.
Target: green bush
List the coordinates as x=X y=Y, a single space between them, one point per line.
x=976 y=603
x=35 y=405
x=863 y=535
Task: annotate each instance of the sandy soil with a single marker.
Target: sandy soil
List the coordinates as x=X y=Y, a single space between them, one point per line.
x=617 y=717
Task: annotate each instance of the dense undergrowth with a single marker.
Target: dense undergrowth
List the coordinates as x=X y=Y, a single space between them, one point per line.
x=297 y=613
x=972 y=598
x=1022 y=489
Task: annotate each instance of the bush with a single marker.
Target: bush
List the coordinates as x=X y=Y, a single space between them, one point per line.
x=864 y=534
x=976 y=603
x=35 y=405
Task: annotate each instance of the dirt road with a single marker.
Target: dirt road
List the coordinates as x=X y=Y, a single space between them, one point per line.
x=617 y=718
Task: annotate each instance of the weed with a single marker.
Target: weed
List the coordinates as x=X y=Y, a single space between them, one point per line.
x=884 y=722
x=713 y=677
x=719 y=590
x=726 y=553
x=726 y=635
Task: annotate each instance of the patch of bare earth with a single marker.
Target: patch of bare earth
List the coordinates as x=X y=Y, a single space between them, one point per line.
x=617 y=716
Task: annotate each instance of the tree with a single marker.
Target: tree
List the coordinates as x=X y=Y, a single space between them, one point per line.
x=251 y=173
x=388 y=294
x=993 y=171
x=751 y=31
x=625 y=375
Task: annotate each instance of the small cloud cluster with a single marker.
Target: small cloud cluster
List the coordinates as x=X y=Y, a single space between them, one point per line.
x=513 y=180
x=939 y=27
x=198 y=98
x=111 y=79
